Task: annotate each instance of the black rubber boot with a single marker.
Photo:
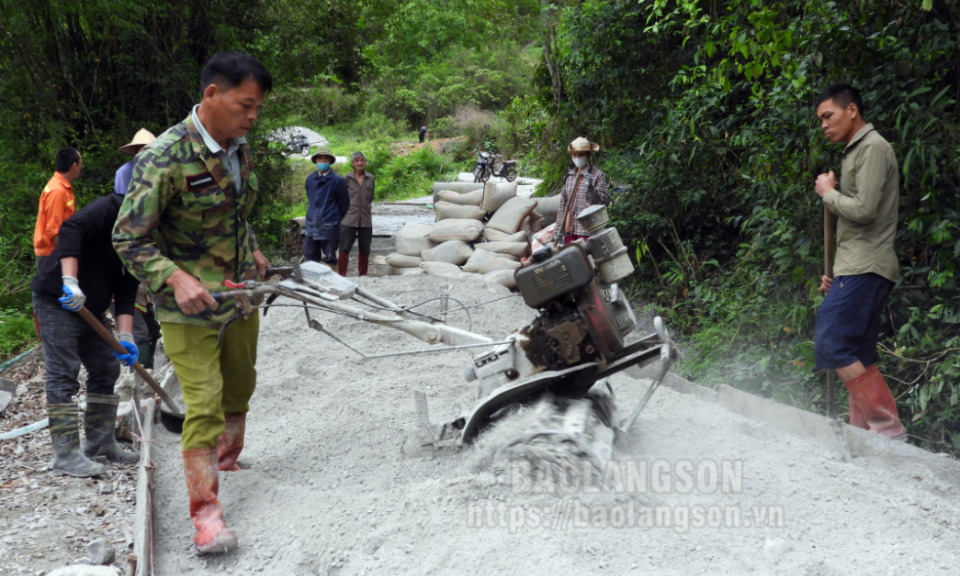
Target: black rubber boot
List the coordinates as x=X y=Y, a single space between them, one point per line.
x=67 y=457
x=99 y=424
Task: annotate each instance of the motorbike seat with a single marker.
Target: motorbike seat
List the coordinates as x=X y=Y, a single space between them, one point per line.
x=509 y=162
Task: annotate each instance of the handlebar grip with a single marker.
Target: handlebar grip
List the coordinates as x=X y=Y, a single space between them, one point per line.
x=219 y=297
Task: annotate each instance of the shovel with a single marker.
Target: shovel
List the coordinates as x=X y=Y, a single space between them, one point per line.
x=828 y=244
x=108 y=336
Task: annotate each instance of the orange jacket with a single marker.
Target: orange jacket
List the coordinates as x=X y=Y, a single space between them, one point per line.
x=56 y=205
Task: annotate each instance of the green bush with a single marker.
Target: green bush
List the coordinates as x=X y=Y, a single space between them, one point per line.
x=412 y=175
x=445 y=127
x=706 y=113
x=17 y=332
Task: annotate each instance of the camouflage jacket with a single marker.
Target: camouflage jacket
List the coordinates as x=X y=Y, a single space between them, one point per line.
x=183 y=210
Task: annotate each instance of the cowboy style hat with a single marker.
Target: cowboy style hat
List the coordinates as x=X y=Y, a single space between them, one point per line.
x=140 y=139
x=581 y=144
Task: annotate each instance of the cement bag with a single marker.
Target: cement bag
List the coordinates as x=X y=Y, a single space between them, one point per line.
x=548 y=208
x=470 y=198
x=410 y=271
x=447 y=210
x=456 y=229
x=545 y=235
x=412 y=238
x=525 y=226
x=515 y=249
x=453 y=252
x=492 y=235
x=379 y=267
x=537 y=222
x=443 y=269
x=458 y=187
x=496 y=195
x=504 y=277
x=511 y=215
x=483 y=261
x=403 y=261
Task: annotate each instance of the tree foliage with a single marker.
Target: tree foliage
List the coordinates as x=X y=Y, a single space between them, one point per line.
x=707 y=110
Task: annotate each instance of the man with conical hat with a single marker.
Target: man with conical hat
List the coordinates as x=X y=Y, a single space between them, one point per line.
x=146 y=328
x=122 y=178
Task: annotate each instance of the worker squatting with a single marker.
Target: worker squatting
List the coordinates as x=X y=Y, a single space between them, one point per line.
x=629 y=476
x=567 y=513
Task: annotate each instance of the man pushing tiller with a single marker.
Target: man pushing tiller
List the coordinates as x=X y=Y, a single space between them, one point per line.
x=848 y=320
x=194 y=188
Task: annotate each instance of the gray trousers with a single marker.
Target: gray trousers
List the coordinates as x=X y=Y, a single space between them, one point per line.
x=69 y=341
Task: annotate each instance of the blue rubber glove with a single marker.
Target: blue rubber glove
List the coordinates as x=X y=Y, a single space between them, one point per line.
x=126 y=340
x=73 y=297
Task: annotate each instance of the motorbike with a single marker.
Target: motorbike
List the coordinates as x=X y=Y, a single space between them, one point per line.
x=483 y=160
x=486 y=167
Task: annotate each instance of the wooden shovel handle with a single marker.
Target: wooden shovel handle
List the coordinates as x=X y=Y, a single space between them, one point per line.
x=108 y=336
x=829 y=242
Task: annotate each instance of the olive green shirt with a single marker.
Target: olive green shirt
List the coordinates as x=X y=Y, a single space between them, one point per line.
x=866 y=206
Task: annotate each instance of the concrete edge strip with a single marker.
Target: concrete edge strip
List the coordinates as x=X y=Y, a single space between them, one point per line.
x=849 y=440
x=142 y=558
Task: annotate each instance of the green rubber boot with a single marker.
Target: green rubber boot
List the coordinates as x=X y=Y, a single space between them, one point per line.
x=99 y=424
x=146 y=354
x=64 y=432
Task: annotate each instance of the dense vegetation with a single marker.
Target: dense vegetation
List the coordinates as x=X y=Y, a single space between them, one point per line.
x=364 y=73
x=703 y=109
x=706 y=110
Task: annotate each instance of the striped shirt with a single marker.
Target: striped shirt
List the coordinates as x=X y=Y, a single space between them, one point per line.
x=592 y=190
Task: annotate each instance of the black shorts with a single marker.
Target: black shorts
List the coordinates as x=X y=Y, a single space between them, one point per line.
x=848 y=321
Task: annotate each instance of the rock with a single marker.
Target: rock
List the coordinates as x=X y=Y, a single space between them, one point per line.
x=106 y=488
x=8 y=385
x=5 y=398
x=81 y=570
x=101 y=552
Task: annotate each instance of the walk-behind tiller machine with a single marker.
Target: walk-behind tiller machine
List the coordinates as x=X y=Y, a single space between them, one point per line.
x=564 y=356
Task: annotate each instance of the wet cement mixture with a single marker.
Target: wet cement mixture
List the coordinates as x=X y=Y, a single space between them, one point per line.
x=337 y=484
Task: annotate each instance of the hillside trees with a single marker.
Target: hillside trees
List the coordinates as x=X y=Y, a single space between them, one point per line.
x=705 y=109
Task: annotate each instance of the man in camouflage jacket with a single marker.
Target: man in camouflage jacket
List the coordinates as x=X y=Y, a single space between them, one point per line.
x=183 y=229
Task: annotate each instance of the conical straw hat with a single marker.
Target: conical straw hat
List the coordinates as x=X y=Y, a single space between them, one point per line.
x=140 y=139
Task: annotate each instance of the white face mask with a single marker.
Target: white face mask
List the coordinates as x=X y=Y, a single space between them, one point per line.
x=580 y=162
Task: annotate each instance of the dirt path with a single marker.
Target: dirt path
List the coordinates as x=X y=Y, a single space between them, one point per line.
x=337 y=486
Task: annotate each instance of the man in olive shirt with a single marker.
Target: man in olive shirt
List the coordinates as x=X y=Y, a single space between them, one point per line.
x=848 y=320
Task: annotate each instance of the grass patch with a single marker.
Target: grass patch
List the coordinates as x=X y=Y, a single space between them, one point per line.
x=397 y=177
x=17 y=332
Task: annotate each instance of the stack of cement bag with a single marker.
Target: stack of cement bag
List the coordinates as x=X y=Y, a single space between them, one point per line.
x=481 y=229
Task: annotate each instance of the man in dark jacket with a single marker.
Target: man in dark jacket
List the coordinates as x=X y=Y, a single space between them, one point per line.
x=327 y=203
x=84 y=269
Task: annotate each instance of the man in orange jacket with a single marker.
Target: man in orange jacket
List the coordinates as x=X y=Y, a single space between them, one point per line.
x=56 y=202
